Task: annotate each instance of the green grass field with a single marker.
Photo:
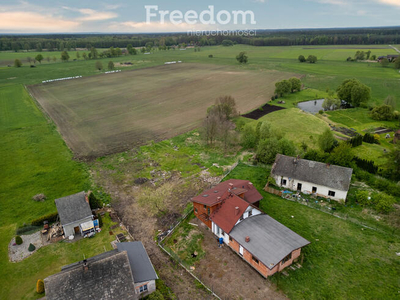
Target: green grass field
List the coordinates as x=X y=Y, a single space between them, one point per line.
x=343 y=261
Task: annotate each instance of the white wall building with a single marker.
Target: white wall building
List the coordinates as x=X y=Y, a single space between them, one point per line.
x=311 y=177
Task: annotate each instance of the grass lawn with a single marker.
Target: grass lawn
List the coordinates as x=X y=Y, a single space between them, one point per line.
x=34 y=160
x=291 y=100
x=343 y=261
x=297 y=125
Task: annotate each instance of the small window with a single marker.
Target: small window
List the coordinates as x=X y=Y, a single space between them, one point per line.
x=250 y=213
x=331 y=194
x=143 y=288
x=222 y=232
x=314 y=189
x=284 y=181
x=255 y=259
x=241 y=218
x=195 y=210
x=208 y=211
x=289 y=257
x=205 y=206
x=230 y=239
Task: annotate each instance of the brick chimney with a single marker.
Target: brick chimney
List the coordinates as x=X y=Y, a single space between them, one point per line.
x=247 y=239
x=236 y=210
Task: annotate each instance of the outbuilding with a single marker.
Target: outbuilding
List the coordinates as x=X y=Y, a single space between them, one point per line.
x=312 y=177
x=75 y=214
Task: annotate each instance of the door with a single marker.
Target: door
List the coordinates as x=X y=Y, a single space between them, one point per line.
x=240 y=250
x=299 y=185
x=76 y=229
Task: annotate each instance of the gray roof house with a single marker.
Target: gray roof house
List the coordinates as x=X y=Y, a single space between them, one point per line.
x=109 y=275
x=312 y=177
x=74 y=210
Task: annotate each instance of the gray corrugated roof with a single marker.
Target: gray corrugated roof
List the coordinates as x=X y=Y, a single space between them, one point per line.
x=270 y=241
x=141 y=266
x=73 y=208
x=108 y=276
x=314 y=172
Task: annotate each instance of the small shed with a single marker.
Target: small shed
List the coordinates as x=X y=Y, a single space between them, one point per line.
x=75 y=214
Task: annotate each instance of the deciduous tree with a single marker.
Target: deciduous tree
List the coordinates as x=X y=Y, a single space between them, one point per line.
x=302 y=58
x=283 y=87
x=110 y=65
x=64 y=56
x=242 y=57
x=296 y=84
x=312 y=59
x=39 y=58
x=17 y=63
x=99 y=65
x=327 y=141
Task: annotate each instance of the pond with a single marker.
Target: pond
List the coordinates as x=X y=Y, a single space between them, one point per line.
x=313 y=106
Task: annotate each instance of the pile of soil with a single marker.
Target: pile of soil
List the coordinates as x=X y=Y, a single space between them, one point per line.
x=258 y=113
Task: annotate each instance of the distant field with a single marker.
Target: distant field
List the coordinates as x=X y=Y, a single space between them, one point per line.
x=109 y=113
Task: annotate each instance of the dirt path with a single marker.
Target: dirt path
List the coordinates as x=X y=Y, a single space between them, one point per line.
x=142 y=228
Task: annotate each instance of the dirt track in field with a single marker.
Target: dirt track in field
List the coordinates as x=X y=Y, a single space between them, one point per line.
x=109 y=113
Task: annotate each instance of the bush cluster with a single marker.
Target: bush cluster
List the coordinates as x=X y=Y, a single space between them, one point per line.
x=18 y=240
x=50 y=217
x=40 y=286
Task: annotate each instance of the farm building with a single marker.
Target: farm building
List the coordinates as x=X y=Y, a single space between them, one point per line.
x=311 y=177
x=75 y=214
x=390 y=57
x=122 y=273
x=267 y=245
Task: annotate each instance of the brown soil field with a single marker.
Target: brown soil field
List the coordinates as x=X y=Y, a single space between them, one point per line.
x=109 y=113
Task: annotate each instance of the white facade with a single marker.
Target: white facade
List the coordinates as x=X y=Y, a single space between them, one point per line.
x=145 y=288
x=69 y=229
x=310 y=188
x=250 y=211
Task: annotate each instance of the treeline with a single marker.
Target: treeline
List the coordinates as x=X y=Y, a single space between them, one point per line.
x=355 y=36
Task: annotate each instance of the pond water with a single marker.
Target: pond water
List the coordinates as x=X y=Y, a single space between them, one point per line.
x=313 y=106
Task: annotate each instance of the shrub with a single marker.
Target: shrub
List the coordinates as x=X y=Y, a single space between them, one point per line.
x=382 y=113
x=321 y=112
x=302 y=58
x=100 y=220
x=362 y=197
x=210 y=56
x=50 y=217
x=94 y=202
x=40 y=286
x=155 y=296
x=31 y=247
x=39 y=197
x=27 y=228
x=369 y=138
x=384 y=203
x=18 y=240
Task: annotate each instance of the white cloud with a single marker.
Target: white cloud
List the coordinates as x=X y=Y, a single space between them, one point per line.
x=34 y=22
x=112 y=6
x=140 y=27
x=91 y=14
x=390 y=2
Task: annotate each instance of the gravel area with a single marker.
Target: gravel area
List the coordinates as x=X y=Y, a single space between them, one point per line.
x=17 y=253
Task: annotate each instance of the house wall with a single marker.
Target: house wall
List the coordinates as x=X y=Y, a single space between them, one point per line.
x=199 y=210
x=306 y=188
x=261 y=267
x=69 y=228
x=151 y=287
x=254 y=212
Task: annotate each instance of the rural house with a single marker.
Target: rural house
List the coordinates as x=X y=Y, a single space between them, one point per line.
x=311 y=177
x=122 y=273
x=75 y=214
x=264 y=243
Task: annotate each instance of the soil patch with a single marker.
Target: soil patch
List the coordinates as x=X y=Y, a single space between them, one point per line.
x=265 y=110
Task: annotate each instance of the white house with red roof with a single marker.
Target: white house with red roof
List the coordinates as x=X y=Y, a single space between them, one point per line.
x=231 y=211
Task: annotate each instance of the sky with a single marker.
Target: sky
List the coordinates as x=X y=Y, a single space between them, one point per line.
x=53 y=16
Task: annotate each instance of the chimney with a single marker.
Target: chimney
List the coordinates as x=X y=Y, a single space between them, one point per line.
x=231 y=185
x=247 y=239
x=87 y=197
x=85 y=266
x=236 y=210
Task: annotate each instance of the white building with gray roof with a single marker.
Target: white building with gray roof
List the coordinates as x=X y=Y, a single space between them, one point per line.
x=311 y=177
x=75 y=214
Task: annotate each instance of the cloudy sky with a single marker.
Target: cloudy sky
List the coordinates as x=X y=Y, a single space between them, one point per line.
x=49 y=16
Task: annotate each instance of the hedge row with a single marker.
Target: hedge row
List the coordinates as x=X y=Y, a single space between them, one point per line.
x=50 y=217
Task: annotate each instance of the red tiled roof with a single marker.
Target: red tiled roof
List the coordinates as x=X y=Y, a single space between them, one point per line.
x=230 y=211
x=210 y=197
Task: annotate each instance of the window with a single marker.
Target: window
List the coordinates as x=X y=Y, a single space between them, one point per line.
x=222 y=232
x=143 y=288
x=254 y=259
x=241 y=218
x=289 y=257
x=314 y=189
x=205 y=206
x=331 y=194
x=208 y=211
x=284 y=181
x=250 y=213
x=195 y=210
x=230 y=239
